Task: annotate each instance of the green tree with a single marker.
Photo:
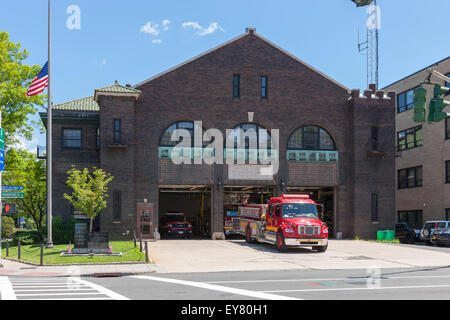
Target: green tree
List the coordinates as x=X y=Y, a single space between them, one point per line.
x=90 y=191
x=15 y=78
x=24 y=169
x=8 y=227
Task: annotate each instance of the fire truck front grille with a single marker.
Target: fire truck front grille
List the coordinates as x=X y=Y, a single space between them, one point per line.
x=309 y=230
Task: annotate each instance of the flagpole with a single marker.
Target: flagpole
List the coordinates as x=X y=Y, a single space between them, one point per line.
x=49 y=134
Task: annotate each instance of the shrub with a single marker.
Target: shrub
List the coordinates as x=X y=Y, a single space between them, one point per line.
x=63 y=232
x=27 y=237
x=8 y=227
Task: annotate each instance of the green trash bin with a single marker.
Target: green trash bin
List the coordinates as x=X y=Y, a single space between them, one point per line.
x=381 y=235
x=390 y=235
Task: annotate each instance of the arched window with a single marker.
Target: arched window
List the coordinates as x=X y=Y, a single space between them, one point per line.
x=166 y=138
x=311 y=138
x=263 y=138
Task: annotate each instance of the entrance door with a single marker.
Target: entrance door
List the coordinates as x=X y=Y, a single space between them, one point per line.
x=145 y=220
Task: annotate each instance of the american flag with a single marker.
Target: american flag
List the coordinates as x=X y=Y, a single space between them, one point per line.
x=39 y=83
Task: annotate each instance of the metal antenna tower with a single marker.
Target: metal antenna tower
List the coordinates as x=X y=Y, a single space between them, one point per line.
x=371 y=45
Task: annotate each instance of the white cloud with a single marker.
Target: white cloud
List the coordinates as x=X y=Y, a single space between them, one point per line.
x=201 y=31
x=157 y=41
x=150 y=28
x=166 y=24
x=24 y=144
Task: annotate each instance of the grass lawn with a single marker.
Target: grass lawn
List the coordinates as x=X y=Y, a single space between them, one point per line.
x=31 y=253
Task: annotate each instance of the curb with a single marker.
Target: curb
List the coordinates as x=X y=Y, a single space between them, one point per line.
x=78 y=264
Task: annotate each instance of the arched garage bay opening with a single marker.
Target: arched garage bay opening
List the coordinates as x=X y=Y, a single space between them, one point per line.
x=192 y=201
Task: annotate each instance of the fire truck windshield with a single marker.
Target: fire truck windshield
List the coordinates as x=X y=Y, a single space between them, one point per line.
x=299 y=210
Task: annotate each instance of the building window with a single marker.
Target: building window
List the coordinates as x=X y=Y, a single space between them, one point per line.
x=414 y=219
x=447 y=128
x=117 y=206
x=71 y=138
x=311 y=138
x=410 y=178
x=374 y=139
x=236 y=86
x=374 y=207
x=447 y=172
x=264 y=87
x=97 y=139
x=263 y=138
x=166 y=138
x=410 y=138
x=117 y=130
x=405 y=100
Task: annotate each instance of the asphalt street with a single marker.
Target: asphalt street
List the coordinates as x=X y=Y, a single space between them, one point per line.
x=370 y=284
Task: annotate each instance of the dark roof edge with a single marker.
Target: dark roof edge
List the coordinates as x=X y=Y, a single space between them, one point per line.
x=416 y=72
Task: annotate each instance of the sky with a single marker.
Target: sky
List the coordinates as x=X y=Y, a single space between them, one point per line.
x=131 y=41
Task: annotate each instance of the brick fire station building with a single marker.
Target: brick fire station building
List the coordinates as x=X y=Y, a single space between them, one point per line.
x=335 y=144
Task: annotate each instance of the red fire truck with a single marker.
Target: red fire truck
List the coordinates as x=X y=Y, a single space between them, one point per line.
x=287 y=221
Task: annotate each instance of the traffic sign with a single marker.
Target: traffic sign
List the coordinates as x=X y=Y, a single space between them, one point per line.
x=2 y=160
x=13 y=188
x=13 y=195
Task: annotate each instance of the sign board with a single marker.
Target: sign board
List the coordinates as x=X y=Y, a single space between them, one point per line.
x=13 y=195
x=12 y=188
x=2 y=160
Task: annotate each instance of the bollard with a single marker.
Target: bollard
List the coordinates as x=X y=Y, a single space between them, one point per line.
x=42 y=254
x=146 y=252
x=18 y=250
x=134 y=239
x=140 y=244
x=7 y=248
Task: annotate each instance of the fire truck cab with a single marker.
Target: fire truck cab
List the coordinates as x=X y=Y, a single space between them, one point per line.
x=287 y=221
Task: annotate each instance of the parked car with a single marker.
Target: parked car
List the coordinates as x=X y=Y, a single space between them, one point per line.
x=440 y=237
x=406 y=234
x=429 y=227
x=174 y=225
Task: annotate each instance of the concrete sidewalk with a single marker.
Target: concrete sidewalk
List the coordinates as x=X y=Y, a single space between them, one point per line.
x=13 y=268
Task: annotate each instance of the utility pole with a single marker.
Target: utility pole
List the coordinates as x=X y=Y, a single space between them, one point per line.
x=49 y=133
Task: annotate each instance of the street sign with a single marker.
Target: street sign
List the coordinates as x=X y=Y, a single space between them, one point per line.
x=13 y=188
x=2 y=160
x=13 y=195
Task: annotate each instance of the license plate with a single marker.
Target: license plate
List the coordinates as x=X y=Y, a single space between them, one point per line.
x=309 y=240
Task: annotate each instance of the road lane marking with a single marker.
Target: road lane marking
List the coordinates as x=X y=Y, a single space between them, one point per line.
x=355 y=289
x=327 y=279
x=207 y=286
x=60 y=294
x=51 y=290
x=101 y=289
x=6 y=289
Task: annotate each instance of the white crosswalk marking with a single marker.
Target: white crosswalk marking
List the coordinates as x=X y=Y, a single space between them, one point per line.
x=72 y=288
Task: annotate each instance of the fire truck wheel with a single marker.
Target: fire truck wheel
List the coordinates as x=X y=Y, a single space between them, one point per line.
x=280 y=244
x=321 y=249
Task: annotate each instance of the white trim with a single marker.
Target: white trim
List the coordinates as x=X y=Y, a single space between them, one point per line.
x=206 y=286
x=231 y=41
